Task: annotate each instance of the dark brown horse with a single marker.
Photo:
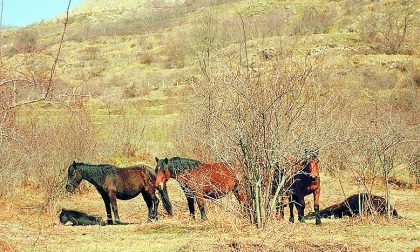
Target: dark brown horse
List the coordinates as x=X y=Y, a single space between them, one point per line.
x=355 y=205
x=303 y=181
x=199 y=181
x=79 y=218
x=115 y=183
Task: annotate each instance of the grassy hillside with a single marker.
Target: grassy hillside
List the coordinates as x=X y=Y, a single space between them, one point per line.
x=122 y=44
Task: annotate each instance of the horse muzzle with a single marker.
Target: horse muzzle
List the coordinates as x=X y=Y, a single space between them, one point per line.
x=313 y=178
x=69 y=188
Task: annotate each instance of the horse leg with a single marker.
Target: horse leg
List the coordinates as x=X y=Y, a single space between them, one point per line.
x=107 y=203
x=291 y=203
x=200 y=202
x=241 y=197
x=280 y=206
x=152 y=203
x=301 y=208
x=190 y=200
x=316 y=207
x=113 y=198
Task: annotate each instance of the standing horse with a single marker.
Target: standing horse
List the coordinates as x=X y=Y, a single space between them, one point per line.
x=199 y=181
x=113 y=183
x=302 y=183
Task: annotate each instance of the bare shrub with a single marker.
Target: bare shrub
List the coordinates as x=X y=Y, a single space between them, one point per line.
x=315 y=20
x=354 y=7
x=371 y=144
x=129 y=92
x=175 y=50
x=273 y=23
x=26 y=41
x=391 y=31
x=253 y=119
x=146 y=58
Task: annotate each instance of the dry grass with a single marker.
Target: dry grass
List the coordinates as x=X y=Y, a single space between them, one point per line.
x=26 y=226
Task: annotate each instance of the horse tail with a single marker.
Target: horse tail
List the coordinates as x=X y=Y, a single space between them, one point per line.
x=165 y=199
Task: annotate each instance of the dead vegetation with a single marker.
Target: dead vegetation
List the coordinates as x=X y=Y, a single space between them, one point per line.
x=195 y=82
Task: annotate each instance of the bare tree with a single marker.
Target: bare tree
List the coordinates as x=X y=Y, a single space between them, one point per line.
x=391 y=30
x=254 y=115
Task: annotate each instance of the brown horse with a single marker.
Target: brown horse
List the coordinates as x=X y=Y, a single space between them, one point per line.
x=115 y=183
x=304 y=181
x=199 y=181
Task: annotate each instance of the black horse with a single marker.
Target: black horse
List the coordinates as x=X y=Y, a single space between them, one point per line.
x=303 y=180
x=355 y=205
x=80 y=219
x=115 y=183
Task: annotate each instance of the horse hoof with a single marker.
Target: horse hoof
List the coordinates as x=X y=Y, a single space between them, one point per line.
x=292 y=220
x=317 y=222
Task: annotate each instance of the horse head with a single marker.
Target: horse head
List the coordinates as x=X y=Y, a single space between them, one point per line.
x=311 y=164
x=74 y=177
x=162 y=172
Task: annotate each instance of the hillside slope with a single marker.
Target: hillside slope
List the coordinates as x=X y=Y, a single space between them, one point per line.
x=113 y=47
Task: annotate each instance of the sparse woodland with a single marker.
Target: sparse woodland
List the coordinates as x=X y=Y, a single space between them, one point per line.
x=247 y=82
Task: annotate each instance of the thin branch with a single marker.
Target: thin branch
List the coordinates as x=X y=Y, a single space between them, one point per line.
x=52 y=73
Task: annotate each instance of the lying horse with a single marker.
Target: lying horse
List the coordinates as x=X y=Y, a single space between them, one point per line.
x=199 y=181
x=351 y=207
x=80 y=219
x=113 y=183
x=304 y=181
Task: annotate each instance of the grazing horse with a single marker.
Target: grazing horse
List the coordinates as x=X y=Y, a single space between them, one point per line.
x=301 y=183
x=200 y=181
x=79 y=219
x=355 y=205
x=115 y=183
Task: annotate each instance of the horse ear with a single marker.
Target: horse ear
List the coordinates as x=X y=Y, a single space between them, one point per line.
x=166 y=161
x=74 y=162
x=157 y=159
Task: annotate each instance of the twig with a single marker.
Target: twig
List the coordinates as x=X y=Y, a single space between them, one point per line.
x=52 y=73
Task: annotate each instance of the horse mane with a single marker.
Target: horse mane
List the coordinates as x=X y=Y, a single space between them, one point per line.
x=95 y=172
x=179 y=164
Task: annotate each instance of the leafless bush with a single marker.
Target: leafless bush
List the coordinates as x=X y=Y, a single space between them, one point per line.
x=41 y=149
x=354 y=7
x=26 y=41
x=315 y=20
x=175 y=50
x=392 y=30
x=146 y=58
x=254 y=117
x=129 y=92
x=273 y=23
x=371 y=144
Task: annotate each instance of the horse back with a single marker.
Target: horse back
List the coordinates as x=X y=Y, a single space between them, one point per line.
x=215 y=179
x=131 y=181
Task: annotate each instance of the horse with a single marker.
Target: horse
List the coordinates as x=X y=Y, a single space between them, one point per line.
x=114 y=183
x=303 y=182
x=79 y=218
x=199 y=181
x=356 y=205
